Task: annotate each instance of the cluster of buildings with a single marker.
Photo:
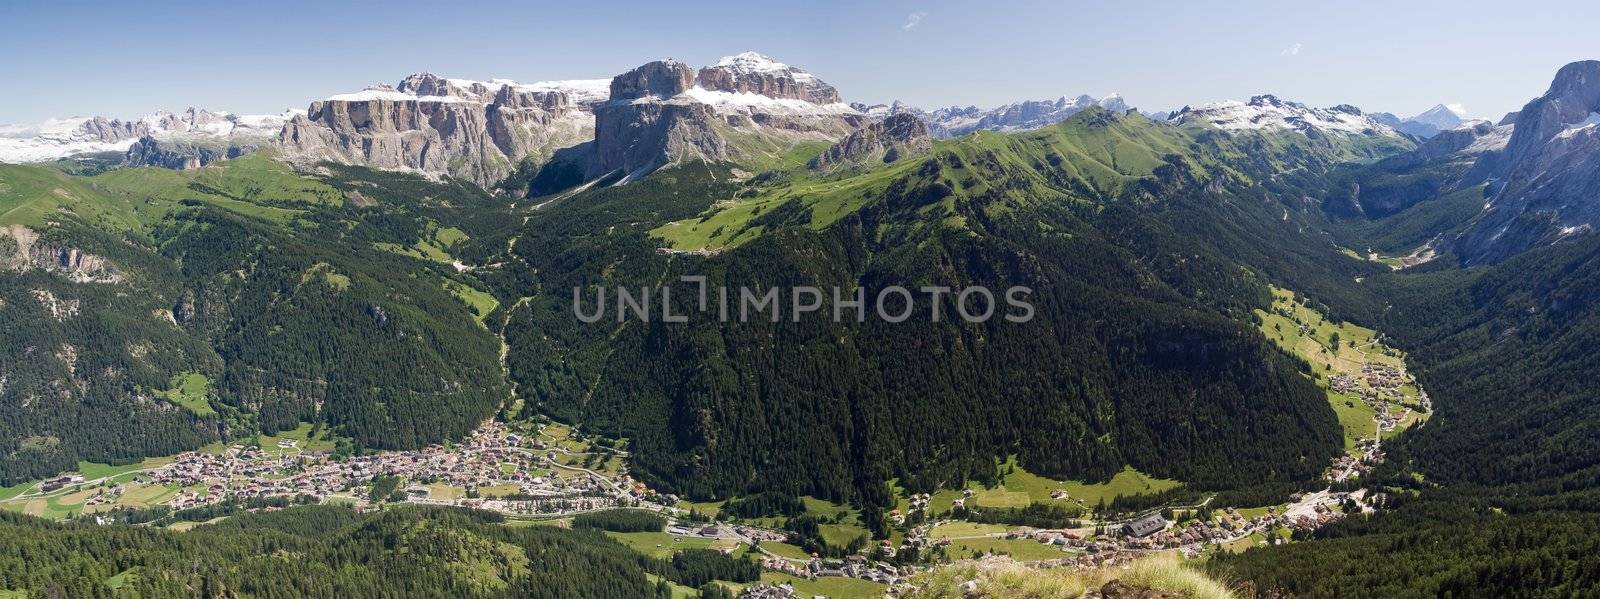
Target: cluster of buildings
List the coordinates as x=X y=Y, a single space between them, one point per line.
x=493 y=457
x=917 y=502
x=59 y=482
x=762 y=590
x=104 y=496
x=856 y=566
x=1366 y=456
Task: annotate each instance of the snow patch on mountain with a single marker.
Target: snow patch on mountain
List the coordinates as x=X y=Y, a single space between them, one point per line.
x=386 y=93
x=753 y=63
x=578 y=91
x=1587 y=124
x=1269 y=112
x=55 y=139
x=1443 y=117
x=749 y=103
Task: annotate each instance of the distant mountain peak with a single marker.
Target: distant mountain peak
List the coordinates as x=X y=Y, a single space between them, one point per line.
x=1442 y=116
x=753 y=72
x=753 y=62
x=1267 y=111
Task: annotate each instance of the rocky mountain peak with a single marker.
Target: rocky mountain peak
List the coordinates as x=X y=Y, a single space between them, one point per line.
x=750 y=72
x=661 y=79
x=1270 y=100
x=1442 y=117
x=1576 y=78
x=1547 y=178
x=429 y=84
x=1267 y=111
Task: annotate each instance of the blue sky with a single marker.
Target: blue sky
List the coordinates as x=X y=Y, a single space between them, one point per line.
x=122 y=59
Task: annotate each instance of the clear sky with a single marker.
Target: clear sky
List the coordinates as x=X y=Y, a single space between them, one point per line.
x=125 y=59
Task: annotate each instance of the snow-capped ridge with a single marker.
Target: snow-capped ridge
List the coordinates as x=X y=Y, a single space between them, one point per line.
x=427 y=87
x=54 y=139
x=953 y=121
x=1267 y=111
x=752 y=62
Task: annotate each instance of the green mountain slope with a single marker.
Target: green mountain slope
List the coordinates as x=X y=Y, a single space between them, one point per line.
x=289 y=293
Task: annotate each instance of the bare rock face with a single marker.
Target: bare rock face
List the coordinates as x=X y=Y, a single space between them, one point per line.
x=661 y=113
x=181 y=154
x=894 y=138
x=469 y=129
x=103 y=129
x=636 y=138
x=754 y=73
x=1548 y=173
x=23 y=249
x=660 y=79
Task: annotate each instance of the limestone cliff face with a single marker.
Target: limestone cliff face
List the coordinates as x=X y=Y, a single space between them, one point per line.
x=181 y=154
x=469 y=129
x=23 y=249
x=662 y=112
x=1548 y=176
x=659 y=113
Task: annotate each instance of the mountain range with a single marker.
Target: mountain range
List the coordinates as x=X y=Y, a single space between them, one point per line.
x=1429 y=123
x=484 y=130
x=394 y=267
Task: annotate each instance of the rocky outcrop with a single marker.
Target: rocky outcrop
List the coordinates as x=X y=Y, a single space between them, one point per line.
x=658 y=79
x=1548 y=177
x=473 y=130
x=754 y=73
x=894 y=138
x=23 y=249
x=180 y=154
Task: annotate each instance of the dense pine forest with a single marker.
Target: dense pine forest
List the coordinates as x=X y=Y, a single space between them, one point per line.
x=321 y=551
